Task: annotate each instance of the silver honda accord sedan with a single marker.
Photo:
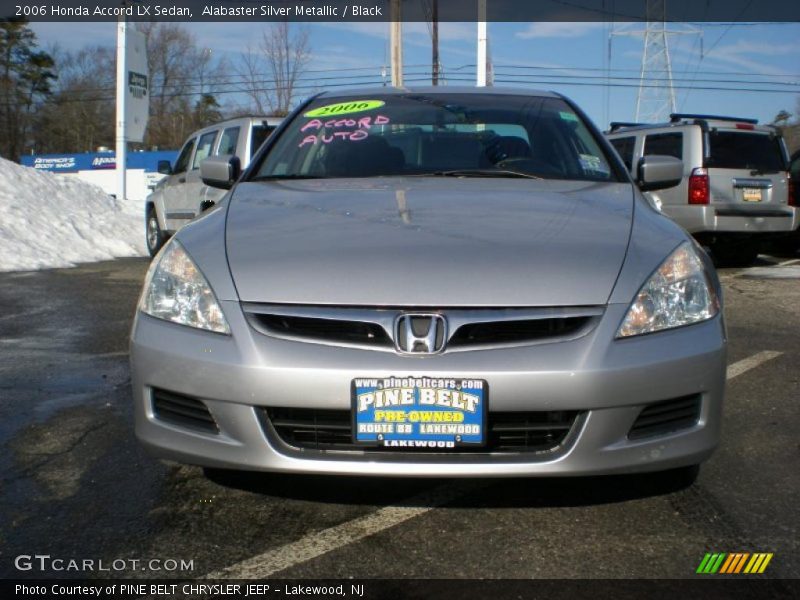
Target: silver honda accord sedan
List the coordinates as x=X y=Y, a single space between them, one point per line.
x=432 y=282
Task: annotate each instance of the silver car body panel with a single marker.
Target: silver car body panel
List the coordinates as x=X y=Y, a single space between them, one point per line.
x=338 y=248
x=612 y=380
x=349 y=242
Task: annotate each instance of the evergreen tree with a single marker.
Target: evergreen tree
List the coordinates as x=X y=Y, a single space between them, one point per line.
x=26 y=78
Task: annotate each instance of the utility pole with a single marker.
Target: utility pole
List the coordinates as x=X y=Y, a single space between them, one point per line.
x=396 y=35
x=482 y=66
x=121 y=139
x=435 y=40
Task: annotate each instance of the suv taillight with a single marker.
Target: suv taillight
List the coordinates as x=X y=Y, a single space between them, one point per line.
x=792 y=200
x=698 y=187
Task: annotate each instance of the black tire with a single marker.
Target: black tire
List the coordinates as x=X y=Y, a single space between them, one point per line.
x=730 y=254
x=154 y=236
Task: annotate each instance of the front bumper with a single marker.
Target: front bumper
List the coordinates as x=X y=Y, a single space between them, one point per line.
x=610 y=380
x=721 y=218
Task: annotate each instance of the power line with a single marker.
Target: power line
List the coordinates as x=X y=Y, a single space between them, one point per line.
x=418 y=77
x=248 y=83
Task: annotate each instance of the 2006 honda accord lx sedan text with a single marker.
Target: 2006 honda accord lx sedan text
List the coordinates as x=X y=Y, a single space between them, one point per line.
x=432 y=282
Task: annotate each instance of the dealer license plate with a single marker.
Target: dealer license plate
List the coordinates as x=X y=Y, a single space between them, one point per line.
x=751 y=194
x=419 y=412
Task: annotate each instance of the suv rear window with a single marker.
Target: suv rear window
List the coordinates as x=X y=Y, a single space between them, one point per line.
x=738 y=150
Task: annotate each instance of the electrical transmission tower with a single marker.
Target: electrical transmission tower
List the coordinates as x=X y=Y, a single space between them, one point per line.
x=656 y=97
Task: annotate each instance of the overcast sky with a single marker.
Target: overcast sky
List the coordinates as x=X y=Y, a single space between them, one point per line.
x=742 y=57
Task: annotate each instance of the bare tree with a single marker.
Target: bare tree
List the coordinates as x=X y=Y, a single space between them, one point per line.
x=271 y=74
x=80 y=115
x=249 y=71
x=184 y=79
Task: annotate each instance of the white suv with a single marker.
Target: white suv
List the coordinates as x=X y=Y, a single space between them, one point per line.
x=181 y=196
x=736 y=190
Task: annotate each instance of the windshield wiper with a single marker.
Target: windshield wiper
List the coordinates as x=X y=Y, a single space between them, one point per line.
x=478 y=173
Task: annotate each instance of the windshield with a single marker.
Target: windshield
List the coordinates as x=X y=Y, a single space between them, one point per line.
x=738 y=150
x=438 y=134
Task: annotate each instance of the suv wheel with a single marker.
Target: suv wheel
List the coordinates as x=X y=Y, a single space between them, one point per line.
x=153 y=234
x=728 y=254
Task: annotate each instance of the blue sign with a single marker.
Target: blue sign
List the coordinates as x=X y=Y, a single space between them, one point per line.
x=91 y=161
x=419 y=412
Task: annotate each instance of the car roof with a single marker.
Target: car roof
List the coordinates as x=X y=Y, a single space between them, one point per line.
x=705 y=122
x=431 y=89
x=249 y=119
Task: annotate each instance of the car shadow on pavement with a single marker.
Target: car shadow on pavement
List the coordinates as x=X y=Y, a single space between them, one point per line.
x=480 y=493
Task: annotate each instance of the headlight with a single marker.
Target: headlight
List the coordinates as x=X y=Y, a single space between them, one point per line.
x=678 y=293
x=175 y=290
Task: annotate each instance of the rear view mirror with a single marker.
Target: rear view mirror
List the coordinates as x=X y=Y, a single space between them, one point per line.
x=657 y=172
x=221 y=171
x=164 y=167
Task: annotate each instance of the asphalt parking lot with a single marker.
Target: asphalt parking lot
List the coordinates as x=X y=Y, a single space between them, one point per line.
x=75 y=484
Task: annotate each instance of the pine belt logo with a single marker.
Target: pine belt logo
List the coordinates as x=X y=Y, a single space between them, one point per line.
x=734 y=563
x=137 y=84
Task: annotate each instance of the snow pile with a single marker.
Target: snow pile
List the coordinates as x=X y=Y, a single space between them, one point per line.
x=49 y=220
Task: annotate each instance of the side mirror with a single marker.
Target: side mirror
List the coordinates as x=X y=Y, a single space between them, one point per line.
x=656 y=172
x=221 y=171
x=164 y=167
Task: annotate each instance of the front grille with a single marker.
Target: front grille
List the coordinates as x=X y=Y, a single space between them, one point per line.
x=329 y=330
x=316 y=429
x=183 y=411
x=665 y=417
x=514 y=332
x=375 y=327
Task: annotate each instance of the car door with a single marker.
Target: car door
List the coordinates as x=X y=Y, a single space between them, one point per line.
x=193 y=195
x=174 y=188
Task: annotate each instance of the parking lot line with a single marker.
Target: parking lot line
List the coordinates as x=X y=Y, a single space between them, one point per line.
x=321 y=542
x=750 y=362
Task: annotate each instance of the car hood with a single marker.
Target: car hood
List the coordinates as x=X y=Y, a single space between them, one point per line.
x=428 y=242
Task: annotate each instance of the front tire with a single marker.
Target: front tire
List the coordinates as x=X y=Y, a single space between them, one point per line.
x=154 y=235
